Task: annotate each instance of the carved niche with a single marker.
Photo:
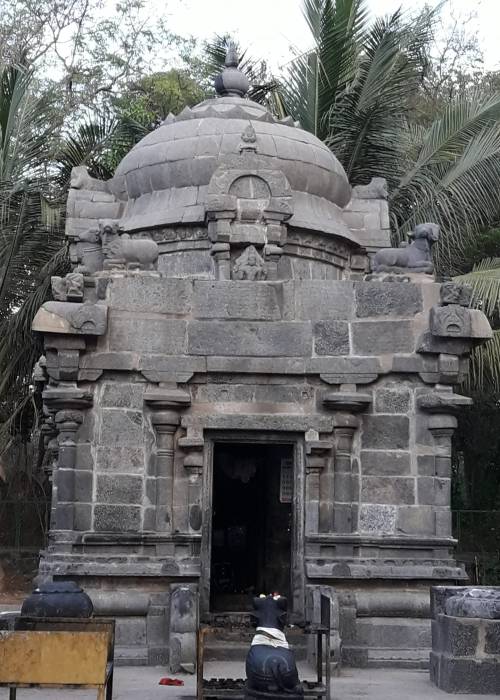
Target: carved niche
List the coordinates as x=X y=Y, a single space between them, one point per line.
x=249 y=266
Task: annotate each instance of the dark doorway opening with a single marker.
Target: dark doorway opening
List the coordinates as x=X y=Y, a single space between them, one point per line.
x=251 y=523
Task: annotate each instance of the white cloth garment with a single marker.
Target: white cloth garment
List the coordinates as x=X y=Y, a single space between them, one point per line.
x=271 y=637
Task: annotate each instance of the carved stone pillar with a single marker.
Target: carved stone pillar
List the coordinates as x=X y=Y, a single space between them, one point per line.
x=67 y=423
x=64 y=405
x=221 y=254
x=442 y=428
x=193 y=445
x=346 y=404
x=166 y=404
x=345 y=425
x=319 y=486
x=165 y=424
x=312 y=496
x=442 y=404
x=272 y=255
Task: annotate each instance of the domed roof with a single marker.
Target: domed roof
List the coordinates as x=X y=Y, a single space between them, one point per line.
x=165 y=177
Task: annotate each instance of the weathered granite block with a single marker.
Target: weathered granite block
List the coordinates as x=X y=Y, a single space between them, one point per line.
x=492 y=639
x=240 y=300
x=150 y=294
x=379 y=337
x=183 y=626
x=385 y=432
x=315 y=300
x=83 y=486
x=416 y=520
x=128 y=459
x=84 y=458
x=130 y=631
x=273 y=339
x=83 y=516
x=387 y=299
x=459 y=637
x=385 y=462
x=467 y=675
x=377 y=518
x=117 y=518
x=121 y=427
x=122 y=395
x=392 y=400
x=147 y=334
x=465 y=654
x=331 y=338
x=426 y=465
x=433 y=491
x=119 y=489
x=384 y=489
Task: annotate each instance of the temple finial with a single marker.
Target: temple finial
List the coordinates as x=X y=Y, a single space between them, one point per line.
x=232 y=81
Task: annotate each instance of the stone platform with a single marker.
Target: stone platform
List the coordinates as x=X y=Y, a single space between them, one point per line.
x=353 y=684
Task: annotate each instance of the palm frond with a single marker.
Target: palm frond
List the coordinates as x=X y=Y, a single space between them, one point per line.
x=312 y=81
x=485 y=282
x=484 y=367
x=453 y=178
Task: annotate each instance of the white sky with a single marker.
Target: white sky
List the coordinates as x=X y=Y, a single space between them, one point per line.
x=269 y=27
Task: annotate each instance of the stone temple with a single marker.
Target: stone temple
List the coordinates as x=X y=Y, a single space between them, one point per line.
x=247 y=390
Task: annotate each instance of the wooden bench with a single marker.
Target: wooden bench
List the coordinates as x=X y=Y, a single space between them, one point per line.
x=57 y=653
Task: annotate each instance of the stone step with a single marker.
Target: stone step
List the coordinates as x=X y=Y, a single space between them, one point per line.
x=393 y=633
x=384 y=657
x=398 y=658
x=131 y=656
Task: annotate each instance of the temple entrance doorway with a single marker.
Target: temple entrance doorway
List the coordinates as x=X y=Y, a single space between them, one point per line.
x=252 y=522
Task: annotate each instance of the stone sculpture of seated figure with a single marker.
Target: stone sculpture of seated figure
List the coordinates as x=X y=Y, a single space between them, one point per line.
x=415 y=257
x=270 y=665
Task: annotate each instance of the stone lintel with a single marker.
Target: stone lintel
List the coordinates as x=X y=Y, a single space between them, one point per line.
x=282 y=422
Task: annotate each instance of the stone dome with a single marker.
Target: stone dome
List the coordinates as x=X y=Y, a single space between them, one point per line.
x=165 y=177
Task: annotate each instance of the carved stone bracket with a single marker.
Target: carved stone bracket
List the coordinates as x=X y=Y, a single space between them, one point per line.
x=71 y=318
x=443 y=400
x=68 y=288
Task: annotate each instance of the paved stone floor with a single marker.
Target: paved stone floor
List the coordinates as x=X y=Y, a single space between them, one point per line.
x=354 y=684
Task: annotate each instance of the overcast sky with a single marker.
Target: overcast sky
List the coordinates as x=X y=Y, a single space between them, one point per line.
x=269 y=27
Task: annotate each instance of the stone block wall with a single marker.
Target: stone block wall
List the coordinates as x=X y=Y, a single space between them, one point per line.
x=339 y=367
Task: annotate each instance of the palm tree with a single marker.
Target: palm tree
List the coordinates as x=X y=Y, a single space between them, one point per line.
x=35 y=168
x=29 y=229
x=356 y=89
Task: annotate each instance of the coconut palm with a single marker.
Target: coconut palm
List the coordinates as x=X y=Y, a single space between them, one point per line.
x=35 y=168
x=357 y=89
